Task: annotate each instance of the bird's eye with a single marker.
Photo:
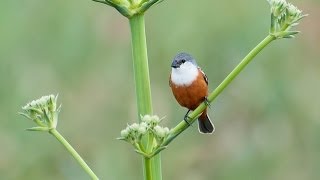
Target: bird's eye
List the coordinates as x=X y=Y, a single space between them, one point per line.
x=183 y=61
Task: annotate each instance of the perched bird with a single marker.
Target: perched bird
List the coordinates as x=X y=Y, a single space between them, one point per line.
x=189 y=86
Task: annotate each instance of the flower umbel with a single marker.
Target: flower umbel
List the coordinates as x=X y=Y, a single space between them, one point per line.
x=43 y=112
x=149 y=125
x=284 y=16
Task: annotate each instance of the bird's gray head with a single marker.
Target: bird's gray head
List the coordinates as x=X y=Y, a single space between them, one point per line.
x=182 y=58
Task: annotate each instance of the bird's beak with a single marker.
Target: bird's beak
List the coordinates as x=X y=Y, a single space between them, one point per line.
x=175 y=64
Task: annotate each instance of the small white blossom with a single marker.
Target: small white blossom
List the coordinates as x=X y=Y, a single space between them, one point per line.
x=124 y=133
x=293 y=10
x=142 y=129
x=160 y=131
x=146 y=118
x=143 y=124
x=134 y=127
x=166 y=130
x=39 y=103
x=136 y=132
x=151 y=121
x=155 y=119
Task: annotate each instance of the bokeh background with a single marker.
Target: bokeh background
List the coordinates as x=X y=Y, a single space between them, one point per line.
x=267 y=121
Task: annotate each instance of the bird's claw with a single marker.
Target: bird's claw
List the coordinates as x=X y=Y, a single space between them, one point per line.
x=186 y=118
x=207 y=102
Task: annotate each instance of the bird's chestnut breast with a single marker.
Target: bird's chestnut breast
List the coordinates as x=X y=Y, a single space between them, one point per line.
x=192 y=95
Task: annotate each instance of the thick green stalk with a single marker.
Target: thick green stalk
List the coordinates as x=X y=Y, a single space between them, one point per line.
x=148 y=169
x=74 y=153
x=140 y=65
x=234 y=73
x=152 y=167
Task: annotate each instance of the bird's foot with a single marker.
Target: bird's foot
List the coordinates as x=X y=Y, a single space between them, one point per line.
x=186 y=118
x=207 y=102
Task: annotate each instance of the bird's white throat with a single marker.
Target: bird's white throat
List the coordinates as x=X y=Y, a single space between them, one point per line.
x=185 y=74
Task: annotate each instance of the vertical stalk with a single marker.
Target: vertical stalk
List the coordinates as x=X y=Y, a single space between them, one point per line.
x=152 y=167
x=140 y=65
x=147 y=169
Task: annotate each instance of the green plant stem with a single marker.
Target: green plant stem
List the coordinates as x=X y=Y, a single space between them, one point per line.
x=152 y=167
x=140 y=65
x=234 y=73
x=148 y=169
x=74 y=153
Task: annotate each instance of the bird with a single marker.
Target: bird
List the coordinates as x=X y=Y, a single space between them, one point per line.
x=189 y=85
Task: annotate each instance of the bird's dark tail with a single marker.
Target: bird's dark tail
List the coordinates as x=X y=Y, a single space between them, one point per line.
x=205 y=124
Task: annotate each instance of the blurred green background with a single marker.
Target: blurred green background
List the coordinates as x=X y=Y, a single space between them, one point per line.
x=267 y=121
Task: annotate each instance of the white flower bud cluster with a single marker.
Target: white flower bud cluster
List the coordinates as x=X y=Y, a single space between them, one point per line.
x=161 y=133
x=285 y=13
x=293 y=12
x=284 y=16
x=151 y=121
x=43 y=112
x=149 y=124
x=134 y=132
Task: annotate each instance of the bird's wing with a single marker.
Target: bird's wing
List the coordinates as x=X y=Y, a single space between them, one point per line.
x=204 y=75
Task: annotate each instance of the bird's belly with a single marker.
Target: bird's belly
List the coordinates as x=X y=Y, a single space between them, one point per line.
x=191 y=96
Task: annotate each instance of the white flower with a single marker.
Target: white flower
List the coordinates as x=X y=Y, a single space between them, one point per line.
x=124 y=133
x=293 y=10
x=146 y=118
x=151 y=121
x=143 y=124
x=155 y=119
x=166 y=130
x=161 y=132
x=142 y=129
x=134 y=127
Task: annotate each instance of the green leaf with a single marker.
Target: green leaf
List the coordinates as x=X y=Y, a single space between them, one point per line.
x=121 y=138
x=25 y=115
x=43 y=129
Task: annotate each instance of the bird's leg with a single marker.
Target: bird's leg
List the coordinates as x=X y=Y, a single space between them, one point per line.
x=207 y=102
x=186 y=118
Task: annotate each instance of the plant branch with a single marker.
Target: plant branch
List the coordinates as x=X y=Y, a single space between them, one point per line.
x=74 y=153
x=148 y=169
x=234 y=73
